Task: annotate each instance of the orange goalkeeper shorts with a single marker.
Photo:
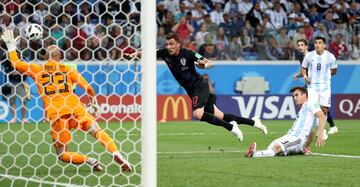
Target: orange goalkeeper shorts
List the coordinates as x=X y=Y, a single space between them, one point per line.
x=60 y=128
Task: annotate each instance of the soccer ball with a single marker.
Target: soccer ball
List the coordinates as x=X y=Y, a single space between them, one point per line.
x=34 y=32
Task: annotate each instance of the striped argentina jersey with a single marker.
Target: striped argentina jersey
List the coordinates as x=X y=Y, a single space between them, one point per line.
x=319 y=69
x=305 y=121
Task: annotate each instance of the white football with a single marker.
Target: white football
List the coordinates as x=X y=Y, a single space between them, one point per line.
x=34 y=32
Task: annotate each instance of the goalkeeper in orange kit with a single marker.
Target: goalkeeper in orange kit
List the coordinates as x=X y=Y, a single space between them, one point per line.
x=63 y=108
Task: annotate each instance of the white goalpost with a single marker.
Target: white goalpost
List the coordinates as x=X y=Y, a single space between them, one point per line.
x=93 y=37
x=148 y=61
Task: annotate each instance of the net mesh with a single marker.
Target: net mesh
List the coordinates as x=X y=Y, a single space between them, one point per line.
x=93 y=37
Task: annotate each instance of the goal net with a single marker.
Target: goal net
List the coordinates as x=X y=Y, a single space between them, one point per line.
x=93 y=37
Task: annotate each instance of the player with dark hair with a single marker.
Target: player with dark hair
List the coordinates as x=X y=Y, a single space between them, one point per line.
x=303 y=48
x=181 y=63
x=302 y=45
x=299 y=136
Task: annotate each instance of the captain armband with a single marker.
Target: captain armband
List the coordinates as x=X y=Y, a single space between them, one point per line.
x=198 y=56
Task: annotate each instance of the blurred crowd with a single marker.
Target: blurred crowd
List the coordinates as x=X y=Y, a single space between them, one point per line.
x=86 y=30
x=218 y=29
x=260 y=29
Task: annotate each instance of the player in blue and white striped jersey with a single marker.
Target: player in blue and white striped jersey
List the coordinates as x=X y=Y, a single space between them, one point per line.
x=317 y=68
x=299 y=136
x=303 y=49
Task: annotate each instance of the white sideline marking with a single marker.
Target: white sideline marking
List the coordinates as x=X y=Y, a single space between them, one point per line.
x=215 y=133
x=332 y=155
x=203 y=133
x=37 y=180
x=233 y=151
x=196 y=152
x=185 y=134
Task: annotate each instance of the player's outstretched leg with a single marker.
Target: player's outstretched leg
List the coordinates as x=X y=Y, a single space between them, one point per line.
x=236 y=131
x=61 y=136
x=258 y=124
x=255 y=121
x=251 y=152
x=76 y=158
x=211 y=119
x=108 y=142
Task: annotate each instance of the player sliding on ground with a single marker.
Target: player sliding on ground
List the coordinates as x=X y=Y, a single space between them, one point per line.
x=63 y=108
x=181 y=63
x=300 y=135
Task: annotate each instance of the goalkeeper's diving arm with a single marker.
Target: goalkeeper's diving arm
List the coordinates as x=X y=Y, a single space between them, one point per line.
x=80 y=80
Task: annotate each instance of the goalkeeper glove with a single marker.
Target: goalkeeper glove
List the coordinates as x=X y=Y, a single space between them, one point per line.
x=95 y=107
x=10 y=41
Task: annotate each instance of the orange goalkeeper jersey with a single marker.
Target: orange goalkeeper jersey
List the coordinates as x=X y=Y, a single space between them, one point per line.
x=55 y=82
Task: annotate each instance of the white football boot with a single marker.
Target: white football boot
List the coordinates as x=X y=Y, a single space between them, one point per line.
x=94 y=163
x=236 y=131
x=125 y=165
x=252 y=149
x=333 y=130
x=259 y=125
x=325 y=135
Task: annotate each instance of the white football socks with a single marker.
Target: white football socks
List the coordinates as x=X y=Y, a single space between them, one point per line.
x=265 y=153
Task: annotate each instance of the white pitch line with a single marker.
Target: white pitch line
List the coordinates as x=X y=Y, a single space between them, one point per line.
x=203 y=133
x=234 y=151
x=38 y=181
x=332 y=155
x=197 y=152
x=185 y=134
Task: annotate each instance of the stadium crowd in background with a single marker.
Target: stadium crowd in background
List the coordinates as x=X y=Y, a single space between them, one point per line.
x=262 y=29
x=84 y=30
x=218 y=29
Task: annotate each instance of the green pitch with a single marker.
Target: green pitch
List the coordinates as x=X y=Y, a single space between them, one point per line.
x=197 y=154
x=189 y=154
x=27 y=157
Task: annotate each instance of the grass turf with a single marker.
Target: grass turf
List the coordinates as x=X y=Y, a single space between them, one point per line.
x=189 y=154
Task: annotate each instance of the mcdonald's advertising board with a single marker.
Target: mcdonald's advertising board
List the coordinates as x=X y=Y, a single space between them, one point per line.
x=178 y=107
x=118 y=107
x=128 y=107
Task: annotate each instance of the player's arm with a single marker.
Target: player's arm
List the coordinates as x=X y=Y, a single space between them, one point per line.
x=333 y=71
x=333 y=65
x=303 y=72
x=80 y=81
x=304 y=75
x=21 y=66
x=138 y=53
x=310 y=139
x=322 y=121
x=134 y=54
x=304 y=69
x=203 y=63
x=86 y=86
x=307 y=149
x=298 y=75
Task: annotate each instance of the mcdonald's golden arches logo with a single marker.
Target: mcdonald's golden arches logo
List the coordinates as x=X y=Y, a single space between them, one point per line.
x=175 y=103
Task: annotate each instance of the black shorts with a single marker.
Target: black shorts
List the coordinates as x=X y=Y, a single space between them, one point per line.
x=201 y=97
